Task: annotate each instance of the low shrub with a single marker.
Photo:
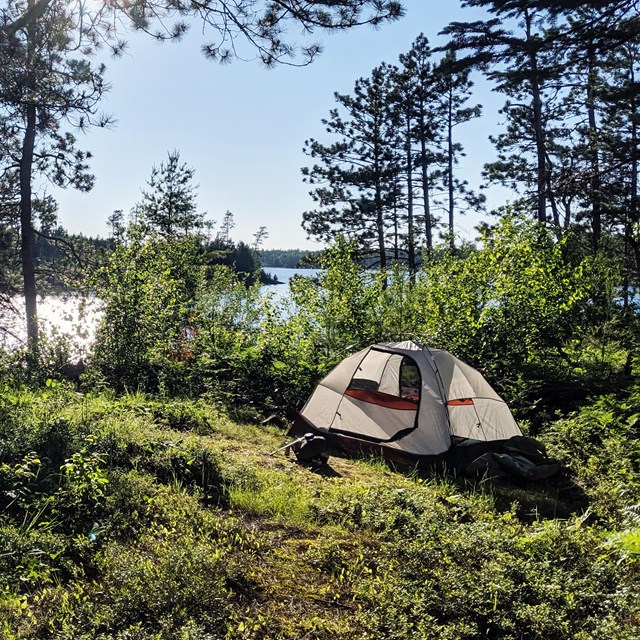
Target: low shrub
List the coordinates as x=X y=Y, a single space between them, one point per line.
x=600 y=446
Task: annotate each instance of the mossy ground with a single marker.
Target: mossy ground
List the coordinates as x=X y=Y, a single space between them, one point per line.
x=134 y=517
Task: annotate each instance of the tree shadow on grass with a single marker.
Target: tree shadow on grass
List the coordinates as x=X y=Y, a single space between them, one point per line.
x=555 y=497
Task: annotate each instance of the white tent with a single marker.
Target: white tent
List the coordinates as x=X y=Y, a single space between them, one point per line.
x=406 y=399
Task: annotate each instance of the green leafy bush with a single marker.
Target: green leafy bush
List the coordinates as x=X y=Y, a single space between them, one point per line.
x=148 y=288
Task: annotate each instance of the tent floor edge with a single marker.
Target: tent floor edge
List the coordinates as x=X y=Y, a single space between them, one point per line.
x=453 y=461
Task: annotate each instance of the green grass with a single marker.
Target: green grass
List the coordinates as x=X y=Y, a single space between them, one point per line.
x=133 y=517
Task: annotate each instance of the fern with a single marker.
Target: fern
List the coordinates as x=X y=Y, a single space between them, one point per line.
x=632 y=515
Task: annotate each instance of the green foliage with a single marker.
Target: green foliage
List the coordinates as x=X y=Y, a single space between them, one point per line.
x=240 y=257
x=340 y=306
x=148 y=288
x=628 y=539
x=168 y=584
x=510 y=307
x=297 y=341
x=156 y=517
x=519 y=308
x=600 y=444
x=516 y=584
x=174 y=325
x=524 y=307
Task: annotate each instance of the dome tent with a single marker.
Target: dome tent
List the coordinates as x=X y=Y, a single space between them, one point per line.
x=411 y=402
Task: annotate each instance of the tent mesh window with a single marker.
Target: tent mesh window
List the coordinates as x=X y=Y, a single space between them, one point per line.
x=382 y=375
x=410 y=382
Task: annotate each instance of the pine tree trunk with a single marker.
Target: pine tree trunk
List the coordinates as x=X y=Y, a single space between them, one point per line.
x=26 y=229
x=596 y=185
x=382 y=251
x=541 y=177
x=555 y=212
x=428 y=231
x=411 y=250
x=450 y=165
x=26 y=208
x=634 y=200
x=396 y=223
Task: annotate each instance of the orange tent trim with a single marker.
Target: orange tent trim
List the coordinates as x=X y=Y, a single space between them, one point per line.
x=382 y=399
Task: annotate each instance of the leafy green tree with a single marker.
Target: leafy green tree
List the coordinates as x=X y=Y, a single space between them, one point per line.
x=338 y=308
x=149 y=287
x=518 y=307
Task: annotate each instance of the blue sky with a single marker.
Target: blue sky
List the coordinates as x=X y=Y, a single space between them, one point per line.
x=242 y=127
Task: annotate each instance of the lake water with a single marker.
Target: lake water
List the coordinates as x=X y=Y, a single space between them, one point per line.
x=280 y=291
x=284 y=275
x=77 y=318
x=73 y=317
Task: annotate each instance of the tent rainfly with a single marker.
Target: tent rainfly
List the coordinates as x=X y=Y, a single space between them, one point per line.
x=410 y=402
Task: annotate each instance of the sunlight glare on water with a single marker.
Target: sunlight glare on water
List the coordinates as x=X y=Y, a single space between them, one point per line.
x=71 y=318
x=75 y=319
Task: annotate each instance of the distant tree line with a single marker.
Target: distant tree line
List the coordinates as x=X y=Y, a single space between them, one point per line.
x=288 y=258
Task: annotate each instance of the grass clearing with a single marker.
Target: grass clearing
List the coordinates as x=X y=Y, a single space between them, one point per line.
x=181 y=525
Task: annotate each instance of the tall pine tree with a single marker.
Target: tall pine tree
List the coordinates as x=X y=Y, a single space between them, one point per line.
x=354 y=176
x=169 y=205
x=47 y=82
x=454 y=94
x=515 y=51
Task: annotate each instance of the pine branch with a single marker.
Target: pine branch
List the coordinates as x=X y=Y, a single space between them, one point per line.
x=31 y=15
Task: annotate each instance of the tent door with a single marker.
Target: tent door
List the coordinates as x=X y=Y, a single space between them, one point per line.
x=381 y=402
